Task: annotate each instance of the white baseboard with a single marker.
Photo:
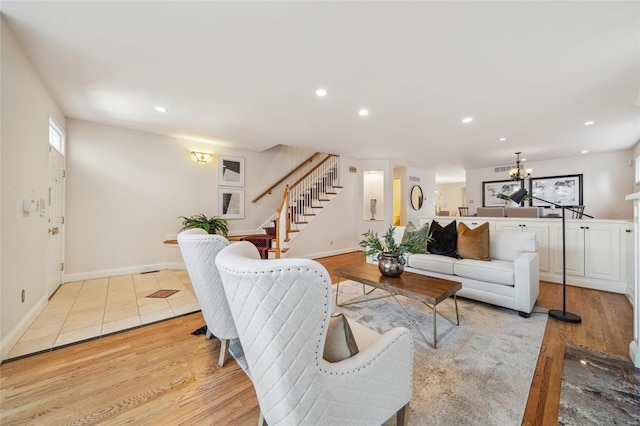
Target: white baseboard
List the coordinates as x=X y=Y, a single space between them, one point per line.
x=329 y=253
x=81 y=276
x=175 y=265
x=14 y=335
x=634 y=352
x=610 y=286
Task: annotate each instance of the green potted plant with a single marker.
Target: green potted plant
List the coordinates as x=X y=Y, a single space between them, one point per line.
x=388 y=253
x=213 y=225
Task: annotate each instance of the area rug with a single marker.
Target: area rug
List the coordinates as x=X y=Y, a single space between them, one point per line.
x=598 y=389
x=481 y=371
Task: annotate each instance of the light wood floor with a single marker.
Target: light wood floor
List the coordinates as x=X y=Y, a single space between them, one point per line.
x=161 y=374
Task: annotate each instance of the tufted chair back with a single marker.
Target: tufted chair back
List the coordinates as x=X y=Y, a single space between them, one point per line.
x=199 y=251
x=281 y=309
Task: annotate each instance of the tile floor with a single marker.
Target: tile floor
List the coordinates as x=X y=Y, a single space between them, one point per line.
x=87 y=309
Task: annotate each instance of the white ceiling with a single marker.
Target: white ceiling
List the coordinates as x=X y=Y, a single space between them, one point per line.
x=243 y=74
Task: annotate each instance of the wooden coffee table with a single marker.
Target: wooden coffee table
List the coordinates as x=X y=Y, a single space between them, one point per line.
x=425 y=289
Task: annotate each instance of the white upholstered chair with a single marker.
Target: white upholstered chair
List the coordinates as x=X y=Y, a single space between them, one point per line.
x=281 y=308
x=199 y=251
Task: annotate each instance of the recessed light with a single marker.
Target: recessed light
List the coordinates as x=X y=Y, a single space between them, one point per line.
x=588 y=123
x=467 y=120
x=502 y=139
x=161 y=109
x=363 y=112
x=321 y=92
x=584 y=151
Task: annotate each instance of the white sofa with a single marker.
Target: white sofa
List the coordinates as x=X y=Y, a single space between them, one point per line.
x=509 y=280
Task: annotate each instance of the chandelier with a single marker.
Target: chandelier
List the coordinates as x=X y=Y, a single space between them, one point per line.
x=517 y=173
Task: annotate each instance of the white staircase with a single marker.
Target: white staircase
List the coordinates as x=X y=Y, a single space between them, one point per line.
x=303 y=201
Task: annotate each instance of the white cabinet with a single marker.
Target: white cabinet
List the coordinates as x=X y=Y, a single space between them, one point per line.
x=469 y=221
x=474 y=223
x=628 y=247
x=542 y=236
x=592 y=250
x=599 y=251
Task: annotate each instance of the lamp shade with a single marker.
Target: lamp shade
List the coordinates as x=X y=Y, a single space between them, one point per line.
x=517 y=196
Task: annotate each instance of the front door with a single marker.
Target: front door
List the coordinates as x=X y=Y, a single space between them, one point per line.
x=55 y=212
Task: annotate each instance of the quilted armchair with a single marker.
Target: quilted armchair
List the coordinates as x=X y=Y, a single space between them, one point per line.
x=199 y=251
x=281 y=309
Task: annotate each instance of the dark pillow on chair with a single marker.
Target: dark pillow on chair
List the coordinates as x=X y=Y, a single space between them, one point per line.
x=445 y=240
x=340 y=343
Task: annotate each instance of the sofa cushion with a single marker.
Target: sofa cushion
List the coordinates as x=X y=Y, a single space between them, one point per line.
x=408 y=230
x=509 y=245
x=444 y=239
x=423 y=231
x=340 y=343
x=432 y=262
x=496 y=271
x=474 y=243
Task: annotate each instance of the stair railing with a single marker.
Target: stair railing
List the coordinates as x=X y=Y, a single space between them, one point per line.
x=282 y=222
x=298 y=167
x=307 y=193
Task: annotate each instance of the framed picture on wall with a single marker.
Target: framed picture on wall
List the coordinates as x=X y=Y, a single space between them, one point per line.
x=491 y=189
x=231 y=202
x=562 y=190
x=231 y=171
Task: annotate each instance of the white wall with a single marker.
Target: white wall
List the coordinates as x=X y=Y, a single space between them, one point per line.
x=379 y=226
x=426 y=180
x=450 y=196
x=126 y=189
x=607 y=179
x=635 y=154
x=24 y=134
x=334 y=229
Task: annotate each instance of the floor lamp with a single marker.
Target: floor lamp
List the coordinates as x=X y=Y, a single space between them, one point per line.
x=561 y=315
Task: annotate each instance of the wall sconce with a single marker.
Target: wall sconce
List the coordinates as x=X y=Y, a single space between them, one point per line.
x=201 y=157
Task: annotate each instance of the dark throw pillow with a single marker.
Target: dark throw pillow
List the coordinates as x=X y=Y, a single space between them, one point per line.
x=474 y=243
x=340 y=343
x=445 y=240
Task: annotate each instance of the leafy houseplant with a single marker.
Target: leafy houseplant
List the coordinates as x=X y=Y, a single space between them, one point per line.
x=213 y=225
x=388 y=253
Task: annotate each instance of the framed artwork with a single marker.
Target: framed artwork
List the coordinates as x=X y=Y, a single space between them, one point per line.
x=231 y=171
x=562 y=190
x=491 y=189
x=231 y=202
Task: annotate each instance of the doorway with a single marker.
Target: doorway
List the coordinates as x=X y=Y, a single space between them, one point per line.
x=54 y=208
x=397 y=201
